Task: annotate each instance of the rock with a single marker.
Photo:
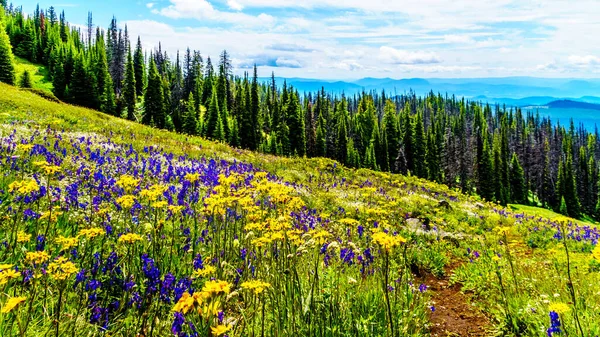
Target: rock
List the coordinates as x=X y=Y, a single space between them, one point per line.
x=444 y=204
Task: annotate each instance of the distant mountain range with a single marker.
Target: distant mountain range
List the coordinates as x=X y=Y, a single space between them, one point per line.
x=512 y=91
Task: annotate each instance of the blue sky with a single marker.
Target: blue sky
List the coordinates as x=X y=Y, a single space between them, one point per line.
x=351 y=39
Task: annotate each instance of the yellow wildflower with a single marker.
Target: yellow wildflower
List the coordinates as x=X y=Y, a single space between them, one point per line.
x=204 y=272
x=596 y=253
x=7 y=274
x=37 y=257
x=12 y=303
x=219 y=329
x=127 y=182
x=25 y=147
x=388 y=241
x=23 y=237
x=216 y=287
x=51 y=169
x=91 y=232
x=192 y=177
x=24 y=187
x=559 y=308
x=321 y=236
x=154 y=192
x=185 y=303
x=126 y=201
x=256 y=285
x=130 y=238
x=66 y=243
x=175 y=209
x=53 y=216
x=61 y=268
x=160 y=204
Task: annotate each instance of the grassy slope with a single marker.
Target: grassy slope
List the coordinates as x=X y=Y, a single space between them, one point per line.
x=39 y=74
x=17 y=105
x=414 y=196
x=548 y=214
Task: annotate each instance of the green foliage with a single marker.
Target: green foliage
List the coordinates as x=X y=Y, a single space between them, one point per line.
x=154 y=113
x=129 y=87
x=7 y=67
x=25 y=81
x=190 y=120
x=517 y=181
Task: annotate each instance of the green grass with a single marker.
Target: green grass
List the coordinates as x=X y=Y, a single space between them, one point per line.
x=39 y=74
x=548 y=214
x=519 y=269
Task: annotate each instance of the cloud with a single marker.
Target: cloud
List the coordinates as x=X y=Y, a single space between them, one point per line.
x=233 y=4
x=290 y=47
x=204 y=10
x=150 y=5
x=395 y=56
x=584 y=61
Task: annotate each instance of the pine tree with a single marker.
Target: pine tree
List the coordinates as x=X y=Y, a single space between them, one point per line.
x=59 y=82
x=342 y=139
x=391 y=132
x=81 y=87
x=320 y=150
x=153 y=99
x=517 y=181
x=420 y=152
x=190 y=120
x=563 y=207
x=25 y=80
x=254 y=111
x=214 y=123
x=296 y=126
x=7 y=67
x=485 y=171
x=407 y=142
x=129 y=87
x=139 y=67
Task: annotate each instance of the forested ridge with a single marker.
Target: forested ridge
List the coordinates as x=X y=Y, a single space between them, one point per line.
x=500 y=153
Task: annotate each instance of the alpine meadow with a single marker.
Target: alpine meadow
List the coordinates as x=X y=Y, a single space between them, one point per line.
x=151 y=191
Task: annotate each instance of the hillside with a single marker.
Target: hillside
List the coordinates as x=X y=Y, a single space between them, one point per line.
x=299 y=246
x=568 y=104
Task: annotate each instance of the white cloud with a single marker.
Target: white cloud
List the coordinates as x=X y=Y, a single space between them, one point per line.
x=233 y=4
x=395 y=56
x=204 y=10
x=584 y=61
x=150 y=5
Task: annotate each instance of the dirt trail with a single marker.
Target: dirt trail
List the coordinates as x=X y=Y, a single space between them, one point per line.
x=453 y=315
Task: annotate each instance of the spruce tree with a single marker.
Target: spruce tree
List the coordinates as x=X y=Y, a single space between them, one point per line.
x=296 y=126
x=320 y=150
x=485 y=173
x=391 y=132
x=139 y=67
x=129 y=87
x=81 y=87
x=517 y=181
x=254 y=111
x=25 y=81
x=420 y=151
x=59 y=82
x=153 y=99
x=7 y=67
x=214 y=124
x=342 y=139
x=190 y=120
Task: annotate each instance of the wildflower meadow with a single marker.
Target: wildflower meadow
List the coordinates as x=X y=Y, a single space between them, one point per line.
x=124 y=231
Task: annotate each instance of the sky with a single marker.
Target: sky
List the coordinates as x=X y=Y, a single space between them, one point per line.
x=352 y=39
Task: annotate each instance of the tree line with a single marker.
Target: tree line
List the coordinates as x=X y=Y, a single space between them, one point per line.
x=503 y=154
